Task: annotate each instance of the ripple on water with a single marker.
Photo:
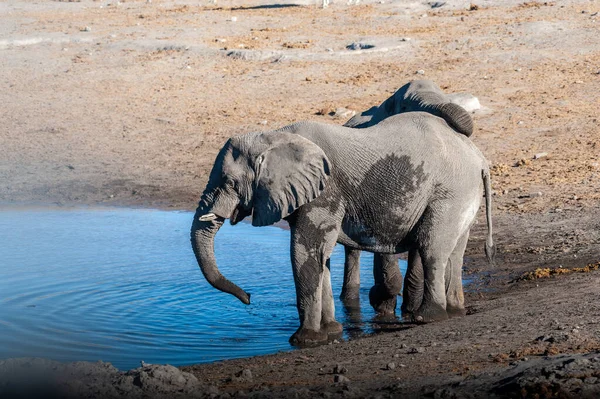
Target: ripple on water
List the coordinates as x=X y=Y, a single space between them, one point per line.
x=123 y=286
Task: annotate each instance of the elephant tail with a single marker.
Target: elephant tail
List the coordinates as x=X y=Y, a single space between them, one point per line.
x=490 y=248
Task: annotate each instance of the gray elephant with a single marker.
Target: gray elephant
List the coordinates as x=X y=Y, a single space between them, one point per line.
x=417 y=95
x=407 y=182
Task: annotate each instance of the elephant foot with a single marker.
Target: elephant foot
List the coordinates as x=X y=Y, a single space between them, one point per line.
x=430 y=313
x=455 y=311
x=306 y=337
x=333 y=328
x=408 y=308
x=383 y=301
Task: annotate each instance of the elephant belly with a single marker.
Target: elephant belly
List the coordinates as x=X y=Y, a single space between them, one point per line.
x=386 y=239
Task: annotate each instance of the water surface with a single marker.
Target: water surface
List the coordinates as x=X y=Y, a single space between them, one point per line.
x=123 y=285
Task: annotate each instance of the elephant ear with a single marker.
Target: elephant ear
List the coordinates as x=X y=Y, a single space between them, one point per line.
x=290 y=173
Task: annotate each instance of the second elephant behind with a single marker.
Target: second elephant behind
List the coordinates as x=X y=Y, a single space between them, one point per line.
x=415 y=96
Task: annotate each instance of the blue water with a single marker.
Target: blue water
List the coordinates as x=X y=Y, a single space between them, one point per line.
x=122 y=285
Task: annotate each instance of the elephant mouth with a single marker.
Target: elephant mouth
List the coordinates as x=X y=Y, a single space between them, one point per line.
x=238 y=214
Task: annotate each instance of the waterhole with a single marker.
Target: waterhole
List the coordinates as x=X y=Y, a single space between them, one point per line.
x=122 y=285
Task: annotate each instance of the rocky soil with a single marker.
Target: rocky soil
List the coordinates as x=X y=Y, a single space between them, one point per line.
x=126 y=103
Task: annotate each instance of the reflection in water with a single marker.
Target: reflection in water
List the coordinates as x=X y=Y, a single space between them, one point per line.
x=123 y=286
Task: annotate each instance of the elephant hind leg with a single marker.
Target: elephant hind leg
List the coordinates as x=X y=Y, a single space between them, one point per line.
x=383 y=296
x=455 y=298
x=436 y=243
x=413 y=284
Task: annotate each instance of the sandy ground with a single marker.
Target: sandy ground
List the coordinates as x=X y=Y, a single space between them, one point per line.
x=127 y=103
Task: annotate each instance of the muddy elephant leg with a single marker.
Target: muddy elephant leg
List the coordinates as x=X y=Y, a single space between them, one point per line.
x=413 y=284
x=455 y=298
x=328 y=322
x=310 y=249
x=383 y=295
x=351 y=286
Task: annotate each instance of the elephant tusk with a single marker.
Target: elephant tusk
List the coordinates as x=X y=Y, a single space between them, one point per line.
x=208 y=217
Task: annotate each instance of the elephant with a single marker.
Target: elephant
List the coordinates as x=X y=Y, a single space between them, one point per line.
x=378 y=189
x=417 y=95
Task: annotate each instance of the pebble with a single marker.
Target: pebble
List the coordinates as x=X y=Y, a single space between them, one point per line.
x=436 y=4
x=343 y=113
x=420 y=72
x=390 y=366
x=245 y=374
x=341 y=379
x=359 y=46
x=233 y=19
x=339 y=369
x=419 y=349
x=408 y=39
x=402 y=346
x=540 y=155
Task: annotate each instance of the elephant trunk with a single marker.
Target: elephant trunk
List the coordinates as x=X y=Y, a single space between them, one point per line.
x=204 y=229
x=436 y=102
x=457 y=117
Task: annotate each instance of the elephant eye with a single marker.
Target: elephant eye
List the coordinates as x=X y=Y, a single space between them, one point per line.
x=229 y=183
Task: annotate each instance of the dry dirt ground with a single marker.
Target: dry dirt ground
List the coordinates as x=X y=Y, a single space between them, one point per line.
x=127 y=103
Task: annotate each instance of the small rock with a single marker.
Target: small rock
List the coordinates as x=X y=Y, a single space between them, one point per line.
x=420 y=72
x=86 y=29
x=339 y=369
x=402 y=346
x=468 y=101
x=343 y=113
x=540 y=155
x=419 y=349
x=390 y=366
x=359 y=46
x=405 y=39
x=396 y=355
x=245 y=375
x=264 y=122
x=341 y=379
x=436 y=4
x=212 y=390
x=233 y=19
x=520 y=123
x=590 y=380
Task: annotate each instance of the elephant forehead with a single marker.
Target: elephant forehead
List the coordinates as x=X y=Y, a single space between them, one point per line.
x=235 y=164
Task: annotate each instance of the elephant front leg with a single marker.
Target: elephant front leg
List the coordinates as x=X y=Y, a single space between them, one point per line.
x=383 y=295
x=314 y=298
x=328 y=322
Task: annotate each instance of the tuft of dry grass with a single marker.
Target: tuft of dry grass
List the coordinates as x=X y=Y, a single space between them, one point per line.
x=545 y=272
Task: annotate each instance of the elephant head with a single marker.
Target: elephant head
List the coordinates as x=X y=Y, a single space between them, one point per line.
x=267 y=175
x=418 y=95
